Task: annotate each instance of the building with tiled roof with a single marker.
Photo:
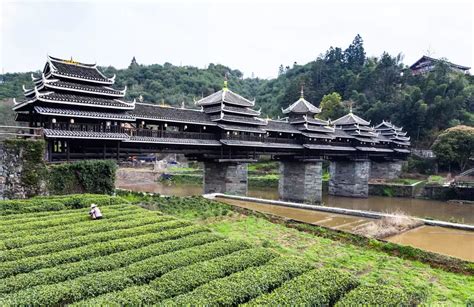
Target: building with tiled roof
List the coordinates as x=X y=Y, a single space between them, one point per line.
x=82 y=115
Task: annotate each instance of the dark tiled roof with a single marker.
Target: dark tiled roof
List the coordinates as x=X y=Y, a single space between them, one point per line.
x=350 y=119
x=231 y=109
x=402 y=150
x=260 y=144
x=80 y=113
x=226 y=96
x=281 y=126
x=50 y=133
x=373 y=149
x=85 y=100
x=329 y=147
x=149 y=111
x=342 y=134
x=302 y=106
x=238 y=119
x=77 y=70
x=240 y=128
x=314 y=128
x=318 y=135
x=102 y=90
x=176 y=141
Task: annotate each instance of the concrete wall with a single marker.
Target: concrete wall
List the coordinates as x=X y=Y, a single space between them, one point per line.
x=230 y=178
x=385 y=169
x=349 y=178
x=300 y=181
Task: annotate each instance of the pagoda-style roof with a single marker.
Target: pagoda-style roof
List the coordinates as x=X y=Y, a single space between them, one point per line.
x=225 y=96
x=83 y=114
x=73 y=70
x=75 y=86
x=350 y=119
x=231 y=142
x=230 y=109
x=301 y=106
x=329 y=147
x=393 y=133
x=319 y=135
x=237 y=119
x=147 y=111
x=281 y=126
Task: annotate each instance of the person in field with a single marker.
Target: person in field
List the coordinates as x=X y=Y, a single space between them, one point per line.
x=95 y=212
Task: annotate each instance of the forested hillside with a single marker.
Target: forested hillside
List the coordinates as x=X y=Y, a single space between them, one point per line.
x=377 y=87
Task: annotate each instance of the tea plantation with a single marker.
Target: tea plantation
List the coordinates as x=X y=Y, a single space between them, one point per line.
x=51 y=253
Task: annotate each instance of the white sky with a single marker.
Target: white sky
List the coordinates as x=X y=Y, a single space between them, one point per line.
x=252 y=36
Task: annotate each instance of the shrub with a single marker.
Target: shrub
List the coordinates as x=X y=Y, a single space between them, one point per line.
x=321 y=287
x=97 y=249
x=108 y=224
x=240 y=287
x=89 y=176
x=186 y=279
x=114 y=261
x=56 y=203
x=379 y=295
x=64 y=244
x=137 y=273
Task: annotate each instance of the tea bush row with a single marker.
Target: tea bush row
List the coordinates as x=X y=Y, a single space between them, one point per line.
x=73 y=270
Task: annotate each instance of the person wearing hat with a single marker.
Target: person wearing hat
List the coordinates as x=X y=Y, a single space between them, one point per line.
x=95 y=212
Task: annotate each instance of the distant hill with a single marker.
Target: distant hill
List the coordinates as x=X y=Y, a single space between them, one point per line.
x=378 y=88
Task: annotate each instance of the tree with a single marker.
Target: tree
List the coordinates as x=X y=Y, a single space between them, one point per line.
x=455 y=146
x=355 y=54
x=331 y=106
x=133 y=64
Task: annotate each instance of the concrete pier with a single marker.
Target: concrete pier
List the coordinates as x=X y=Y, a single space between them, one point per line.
x=300 y=181
x=225 y=177
x=349 y=178
x=385 y=169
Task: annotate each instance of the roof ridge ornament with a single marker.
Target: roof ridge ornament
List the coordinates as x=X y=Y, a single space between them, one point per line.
x=225 y=87
x=302 y=91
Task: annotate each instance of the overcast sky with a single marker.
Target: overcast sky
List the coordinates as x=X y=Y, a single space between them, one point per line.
x=252 y=36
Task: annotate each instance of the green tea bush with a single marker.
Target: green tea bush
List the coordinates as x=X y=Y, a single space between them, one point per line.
x=64 y=244
x=102 y=282
x=30 y=230
x=240 y=287
x=56 y=203
x=378 y=295
x=93 y=250
x=185 y=279
x=73 y=270
x=108 y=224
x=321 y=287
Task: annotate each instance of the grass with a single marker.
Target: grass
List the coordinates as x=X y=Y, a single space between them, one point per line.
x=371 y=266
x=435 y=179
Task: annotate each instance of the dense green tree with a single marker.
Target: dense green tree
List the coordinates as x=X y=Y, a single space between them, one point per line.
x=455 y=146
x=331 y=106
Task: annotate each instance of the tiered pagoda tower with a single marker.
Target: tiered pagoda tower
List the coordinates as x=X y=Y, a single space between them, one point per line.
x=395 y=134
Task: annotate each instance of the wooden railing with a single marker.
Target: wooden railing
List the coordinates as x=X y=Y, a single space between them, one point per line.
x=20 y=131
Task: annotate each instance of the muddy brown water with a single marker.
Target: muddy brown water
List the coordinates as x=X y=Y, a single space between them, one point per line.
x=451 y=212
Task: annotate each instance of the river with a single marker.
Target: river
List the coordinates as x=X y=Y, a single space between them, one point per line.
x=451 y=212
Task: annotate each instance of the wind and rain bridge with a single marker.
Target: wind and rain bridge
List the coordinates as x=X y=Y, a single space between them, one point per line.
x=81 y=115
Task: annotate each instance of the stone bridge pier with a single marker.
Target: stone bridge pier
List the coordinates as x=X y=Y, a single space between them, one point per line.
x=385 y=169
x=349 y=178
x=301 y=181
x=225 y=177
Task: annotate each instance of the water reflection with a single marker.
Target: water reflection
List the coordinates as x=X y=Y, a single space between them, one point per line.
x=415 y=207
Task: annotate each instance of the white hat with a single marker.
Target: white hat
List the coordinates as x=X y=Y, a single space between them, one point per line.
x=93 y=205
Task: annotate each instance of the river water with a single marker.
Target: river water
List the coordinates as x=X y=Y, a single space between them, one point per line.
x=438 y=210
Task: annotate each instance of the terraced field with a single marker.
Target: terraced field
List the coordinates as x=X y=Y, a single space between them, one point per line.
x=135 y=256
